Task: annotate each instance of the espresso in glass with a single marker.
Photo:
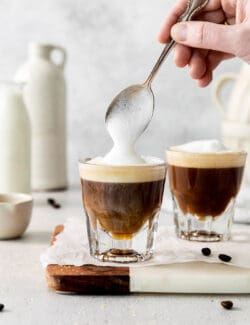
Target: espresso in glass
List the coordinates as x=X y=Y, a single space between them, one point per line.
x=204 y=187
x=122 y=204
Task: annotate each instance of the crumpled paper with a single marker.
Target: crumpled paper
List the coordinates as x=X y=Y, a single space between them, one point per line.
x=71 y=248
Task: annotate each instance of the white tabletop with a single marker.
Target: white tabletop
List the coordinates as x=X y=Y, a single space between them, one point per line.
x=27 y=300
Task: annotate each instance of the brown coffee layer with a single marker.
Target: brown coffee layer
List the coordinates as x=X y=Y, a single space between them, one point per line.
x=204 y=191
x=122 y=209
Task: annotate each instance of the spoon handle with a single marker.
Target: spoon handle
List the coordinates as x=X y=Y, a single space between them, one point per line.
x=193 y=8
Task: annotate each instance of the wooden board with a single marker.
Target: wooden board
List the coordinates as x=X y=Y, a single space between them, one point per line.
x=87 y=279
x=195 y=277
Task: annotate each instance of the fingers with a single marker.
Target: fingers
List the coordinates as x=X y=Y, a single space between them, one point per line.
x=203 y=44
x=178 y=9
x=171 y=19
x=213 y=5
x=206 y=35
x=206 y=79
x=216 y=16
x=196 y=59
x=213 y=59
x=229 y=6
x=197 y=65
x=182 y=55
x=201 y=62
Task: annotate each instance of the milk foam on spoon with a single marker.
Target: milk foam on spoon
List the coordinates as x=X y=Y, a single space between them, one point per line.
x=125 y=126
x=123 y=154
x=124 y=135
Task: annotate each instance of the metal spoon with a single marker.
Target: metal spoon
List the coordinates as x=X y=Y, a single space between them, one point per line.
x=136 y=103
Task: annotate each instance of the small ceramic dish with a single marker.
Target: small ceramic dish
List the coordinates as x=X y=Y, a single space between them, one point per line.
x=15 y=214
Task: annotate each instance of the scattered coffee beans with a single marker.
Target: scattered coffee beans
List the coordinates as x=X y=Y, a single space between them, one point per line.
x=227 y=304
x=53 y=203
x=225 y=258
x=1 y=307
x=206 y=251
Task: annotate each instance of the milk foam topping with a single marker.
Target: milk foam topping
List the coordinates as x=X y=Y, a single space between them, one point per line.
x=153 y=169
x=209 y=146
x=205 y=154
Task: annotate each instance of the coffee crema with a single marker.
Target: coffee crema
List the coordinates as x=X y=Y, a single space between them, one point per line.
x=122 y=198
x=204 y=183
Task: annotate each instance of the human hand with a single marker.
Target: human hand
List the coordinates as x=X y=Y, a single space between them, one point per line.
x=221 y=31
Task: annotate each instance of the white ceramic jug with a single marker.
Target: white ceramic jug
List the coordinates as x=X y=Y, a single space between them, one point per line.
x=236 y=113
x=15 y=214
x=15 y=140
x=45 y=98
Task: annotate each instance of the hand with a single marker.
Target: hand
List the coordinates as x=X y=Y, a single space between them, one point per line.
x=221 y=31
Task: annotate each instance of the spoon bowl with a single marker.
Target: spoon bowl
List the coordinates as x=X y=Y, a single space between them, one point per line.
x=135 y=103
x=126 y=105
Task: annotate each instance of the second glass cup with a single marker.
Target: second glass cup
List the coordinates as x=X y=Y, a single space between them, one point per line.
x=204 y=187
x=122 y=204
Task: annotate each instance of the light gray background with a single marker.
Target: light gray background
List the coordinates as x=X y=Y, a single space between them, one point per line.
x=111 y=44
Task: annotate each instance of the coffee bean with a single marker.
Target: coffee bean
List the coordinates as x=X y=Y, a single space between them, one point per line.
x=57 y=206
x=206 y=251
x=51 y=201
x=225 y=258
x=227 y=304
x=1 y=307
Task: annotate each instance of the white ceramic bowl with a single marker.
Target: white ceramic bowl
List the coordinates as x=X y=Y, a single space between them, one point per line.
x=15 y=214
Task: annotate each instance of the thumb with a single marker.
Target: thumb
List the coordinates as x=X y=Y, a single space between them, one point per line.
x=205 y=35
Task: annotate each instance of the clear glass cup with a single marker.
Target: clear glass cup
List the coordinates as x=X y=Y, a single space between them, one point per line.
x=204 y=187
x=122 y=204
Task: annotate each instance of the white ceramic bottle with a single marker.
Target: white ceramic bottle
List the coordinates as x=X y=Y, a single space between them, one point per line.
x=15 y=140
x=45 y=99
x=236 y=112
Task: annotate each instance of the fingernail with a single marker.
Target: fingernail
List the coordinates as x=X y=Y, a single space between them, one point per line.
x=179 y=32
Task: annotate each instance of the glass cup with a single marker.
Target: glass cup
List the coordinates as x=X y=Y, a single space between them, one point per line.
x=204 y=187
x=122 y=204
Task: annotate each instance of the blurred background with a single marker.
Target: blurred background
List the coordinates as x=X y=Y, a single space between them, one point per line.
x=110 y=45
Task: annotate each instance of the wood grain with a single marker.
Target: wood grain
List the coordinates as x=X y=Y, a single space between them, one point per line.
x=87 y=279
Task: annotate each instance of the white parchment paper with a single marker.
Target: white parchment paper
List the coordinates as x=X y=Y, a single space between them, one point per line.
x=71 y=248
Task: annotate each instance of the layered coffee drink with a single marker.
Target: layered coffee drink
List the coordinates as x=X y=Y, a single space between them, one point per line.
x=120 y=202
x=122 y=190
x=205 y=179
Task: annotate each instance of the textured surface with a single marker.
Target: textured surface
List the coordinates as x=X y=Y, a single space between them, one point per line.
x=111 y=44
x=28 y=301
